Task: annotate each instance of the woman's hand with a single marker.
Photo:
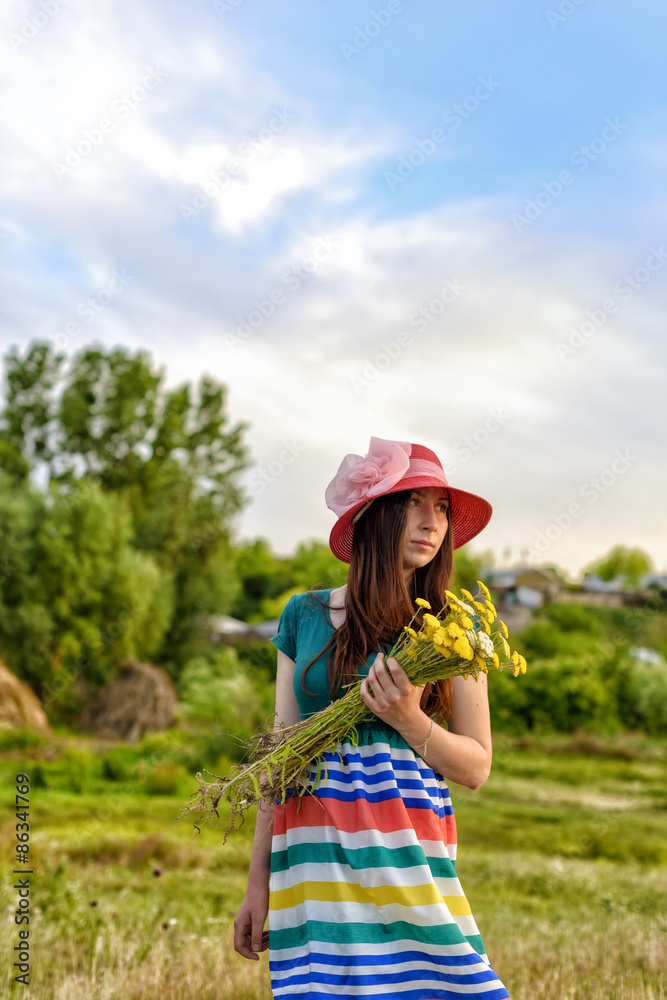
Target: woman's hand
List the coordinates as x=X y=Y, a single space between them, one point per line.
x=249 y=934
x=392 y=696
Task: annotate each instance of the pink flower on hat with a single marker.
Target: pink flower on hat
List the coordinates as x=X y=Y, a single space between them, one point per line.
x=360 y=479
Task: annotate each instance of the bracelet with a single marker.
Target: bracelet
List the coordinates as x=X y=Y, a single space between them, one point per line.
x=425 y=744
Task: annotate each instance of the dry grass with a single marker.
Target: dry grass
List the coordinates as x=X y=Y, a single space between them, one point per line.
x=563 y=930
x=623 y=960
x=569 y=891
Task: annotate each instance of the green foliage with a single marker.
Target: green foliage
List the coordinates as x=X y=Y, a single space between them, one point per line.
x=267 y=581
x=575 y=618
x=315 y=567
x=273 y=607
x=142 y=487
x=469 y=568
x=164 y=778
x=120 y=764
x=79 y=597
x=259 y=657
x=581 y=674
x=629 y=565
x=20 y=739
x=227 y=694
x=78 y=770
x=647 y=696
x=556 y=695
x=261 y=577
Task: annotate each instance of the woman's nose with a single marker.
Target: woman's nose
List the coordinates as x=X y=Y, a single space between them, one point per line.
x=428 y=518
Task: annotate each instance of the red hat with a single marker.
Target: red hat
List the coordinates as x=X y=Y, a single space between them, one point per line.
x=389 y=467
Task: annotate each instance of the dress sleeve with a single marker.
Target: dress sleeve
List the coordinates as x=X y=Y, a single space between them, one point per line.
x=285 y=640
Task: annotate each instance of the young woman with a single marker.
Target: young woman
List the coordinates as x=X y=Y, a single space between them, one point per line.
x=360 y=882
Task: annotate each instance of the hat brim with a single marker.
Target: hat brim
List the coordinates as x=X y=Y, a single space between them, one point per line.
x=469 y=514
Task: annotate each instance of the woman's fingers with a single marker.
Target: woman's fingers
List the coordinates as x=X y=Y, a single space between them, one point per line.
x=242 y=935
x=249 y=935
x=398 y=674
x=378 y=675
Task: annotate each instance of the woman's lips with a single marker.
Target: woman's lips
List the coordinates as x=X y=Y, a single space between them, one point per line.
x=424 y=545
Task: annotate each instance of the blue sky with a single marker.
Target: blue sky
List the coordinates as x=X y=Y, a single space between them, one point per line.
x=419 y=220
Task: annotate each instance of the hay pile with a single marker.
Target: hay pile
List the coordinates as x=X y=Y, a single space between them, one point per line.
x=19 y=705
x=140 y=699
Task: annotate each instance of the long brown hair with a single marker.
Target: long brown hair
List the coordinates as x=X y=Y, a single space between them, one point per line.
x=378 y=602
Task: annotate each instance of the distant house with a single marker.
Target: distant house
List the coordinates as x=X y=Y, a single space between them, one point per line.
x=525 y=585
x=595 y=584
x=223 y=628
x=646 y=655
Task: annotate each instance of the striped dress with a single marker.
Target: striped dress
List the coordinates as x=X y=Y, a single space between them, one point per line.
x=364 y=896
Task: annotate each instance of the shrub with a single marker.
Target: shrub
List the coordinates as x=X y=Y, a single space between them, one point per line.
x=647 y=695
x=555 y=694
x=78 y=769
x=164 y=778
x=574 y=618
x=119 y=764
x=224 y=692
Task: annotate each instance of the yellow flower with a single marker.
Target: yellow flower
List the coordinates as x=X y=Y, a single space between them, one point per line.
x=452 y=597
x=503 y=628
x=496 y=660
x=486 y=627
x=484 y=589
x=422 y=603
x=466 y=593
x=491 y=610
x=480 y=661
x=522 y=660
x=431 y=625
x=515 y=658
x=442 y=645
x=411 y=632
x=463 y=648
x=515 y=669
x=466 y=622
x=505 y=645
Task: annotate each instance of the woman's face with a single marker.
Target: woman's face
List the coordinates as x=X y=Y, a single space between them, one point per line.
x=426 y=523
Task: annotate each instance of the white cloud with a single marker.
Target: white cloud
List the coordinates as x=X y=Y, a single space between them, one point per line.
x=326 y=368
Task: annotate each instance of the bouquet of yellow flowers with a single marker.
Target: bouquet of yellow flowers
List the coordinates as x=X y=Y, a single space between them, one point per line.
x=462 y=642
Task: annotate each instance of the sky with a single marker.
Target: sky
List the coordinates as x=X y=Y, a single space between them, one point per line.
x=418 y=220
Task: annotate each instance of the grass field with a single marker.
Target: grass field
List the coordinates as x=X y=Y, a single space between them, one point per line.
x=562 y=854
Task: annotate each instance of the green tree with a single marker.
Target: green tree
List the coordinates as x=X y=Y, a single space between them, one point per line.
x=267 y=580
x=262 y=576
x=629 y=565
x=469 y=568
x=315 y=567
x=75 y=596
x=107 y=419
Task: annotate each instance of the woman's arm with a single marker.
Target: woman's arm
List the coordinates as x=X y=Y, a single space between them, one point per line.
x=461 y=753
x=249 y=935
